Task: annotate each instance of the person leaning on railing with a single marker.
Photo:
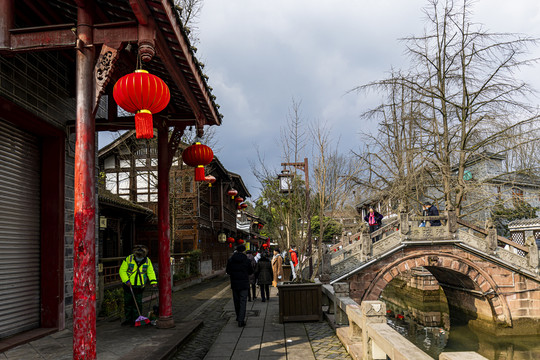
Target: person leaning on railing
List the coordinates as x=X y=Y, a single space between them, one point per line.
x=431 y=210
x=374 y=220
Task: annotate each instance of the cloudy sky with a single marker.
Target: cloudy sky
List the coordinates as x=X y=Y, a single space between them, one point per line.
x=259 y=55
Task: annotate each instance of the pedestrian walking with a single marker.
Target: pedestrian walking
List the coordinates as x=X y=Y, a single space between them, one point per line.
x=239 y=268
x=252 y=280
x=264 y=275
x=277 y=267
x=135 y=272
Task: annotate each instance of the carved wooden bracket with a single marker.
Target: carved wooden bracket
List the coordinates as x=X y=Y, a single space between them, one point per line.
x=102 y=71
x=174 y=142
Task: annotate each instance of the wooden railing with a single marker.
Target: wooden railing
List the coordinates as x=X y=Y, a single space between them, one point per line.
x=110 y=268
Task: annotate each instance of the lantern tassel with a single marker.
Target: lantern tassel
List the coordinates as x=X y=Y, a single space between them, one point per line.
x=199 y=173
x=143 y=125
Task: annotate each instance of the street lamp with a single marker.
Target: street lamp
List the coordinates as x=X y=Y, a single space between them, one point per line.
x=284 y=174
x=349 y=234
x=285 y=181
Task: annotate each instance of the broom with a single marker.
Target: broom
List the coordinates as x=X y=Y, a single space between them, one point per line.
x=141 y=318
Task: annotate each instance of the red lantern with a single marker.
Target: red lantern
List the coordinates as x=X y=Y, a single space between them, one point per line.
x=260 y=226
x=243 y=206
x=198 y=155
x=265 y=245
x=240 y=241
x=238 y=200
x=232 y=193
x=210 y=180
x=143 y=94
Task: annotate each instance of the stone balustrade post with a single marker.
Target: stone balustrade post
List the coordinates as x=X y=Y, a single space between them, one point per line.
x=533 y=252
x=372 y=312
x=366 y=247
x=404 y=226
x=491 y=238
x=341 y=289
x=452 y=221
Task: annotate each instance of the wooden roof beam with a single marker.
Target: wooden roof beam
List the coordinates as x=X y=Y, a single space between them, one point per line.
x=194 y=68
x=147 y=26
x=63 y=36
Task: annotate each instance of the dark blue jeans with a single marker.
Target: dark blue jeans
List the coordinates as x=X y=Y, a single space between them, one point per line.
x=240 y=303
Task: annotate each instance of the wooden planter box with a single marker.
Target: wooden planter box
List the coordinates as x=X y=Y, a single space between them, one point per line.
x=300 y=302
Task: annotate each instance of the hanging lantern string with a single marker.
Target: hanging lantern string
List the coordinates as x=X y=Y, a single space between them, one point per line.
x=138 y=66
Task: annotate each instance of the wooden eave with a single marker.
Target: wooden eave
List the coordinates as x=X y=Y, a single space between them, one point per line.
x=239 y=185
x=41 y=25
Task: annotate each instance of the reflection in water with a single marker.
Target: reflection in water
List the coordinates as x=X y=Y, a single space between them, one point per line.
x=427 y=322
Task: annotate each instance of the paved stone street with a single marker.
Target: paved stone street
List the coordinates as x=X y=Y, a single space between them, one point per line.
x=198 y=344
x=324 y=342
x=264 y=337
x=218 y=337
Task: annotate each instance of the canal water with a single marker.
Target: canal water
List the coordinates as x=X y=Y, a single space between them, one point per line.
x=424 y=318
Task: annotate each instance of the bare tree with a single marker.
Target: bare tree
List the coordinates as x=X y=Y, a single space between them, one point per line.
x=189 y=12
x=289 y=211
x=464 y=97
x=392 y=162
x=332 y=173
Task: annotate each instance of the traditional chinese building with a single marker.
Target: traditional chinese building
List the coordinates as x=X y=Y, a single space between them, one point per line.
x=199 y=212
x=59 y=61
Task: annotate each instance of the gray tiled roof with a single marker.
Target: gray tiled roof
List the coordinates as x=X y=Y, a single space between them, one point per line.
x=524 y=223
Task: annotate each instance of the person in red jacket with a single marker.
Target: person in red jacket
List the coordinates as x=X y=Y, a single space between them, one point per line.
x=293 y=255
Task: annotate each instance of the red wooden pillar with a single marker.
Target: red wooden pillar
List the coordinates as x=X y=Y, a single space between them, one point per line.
x=6 y=22
x=165 y=291
x=84 y=260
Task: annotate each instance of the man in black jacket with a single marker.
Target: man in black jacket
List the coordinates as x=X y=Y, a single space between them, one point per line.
x=239 y=268
x=431 y=210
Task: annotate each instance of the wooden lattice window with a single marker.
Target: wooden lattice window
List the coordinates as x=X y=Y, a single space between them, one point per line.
x=519 y=238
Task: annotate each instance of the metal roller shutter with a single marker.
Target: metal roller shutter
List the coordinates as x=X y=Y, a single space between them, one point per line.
x=19 y=231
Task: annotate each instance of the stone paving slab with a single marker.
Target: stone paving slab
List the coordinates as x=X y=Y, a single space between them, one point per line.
x=217 y=338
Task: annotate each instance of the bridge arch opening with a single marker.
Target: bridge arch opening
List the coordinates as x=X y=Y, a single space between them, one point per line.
x=469 y=291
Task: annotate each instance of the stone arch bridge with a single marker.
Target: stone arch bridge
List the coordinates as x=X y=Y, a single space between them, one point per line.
x=490 y=278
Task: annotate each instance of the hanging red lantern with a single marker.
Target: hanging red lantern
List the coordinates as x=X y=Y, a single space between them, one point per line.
x=260 y=226
x=143 y=94
x=243 y=206
x=198 y=155
x=232 y=193
x=240 y=241
x=238 y=200
x=210 y=180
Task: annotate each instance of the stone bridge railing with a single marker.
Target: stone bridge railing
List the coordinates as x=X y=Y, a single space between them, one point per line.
x=405 y=231
x=365 y=334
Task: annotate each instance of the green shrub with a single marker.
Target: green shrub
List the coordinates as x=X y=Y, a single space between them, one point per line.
x=113 y=302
